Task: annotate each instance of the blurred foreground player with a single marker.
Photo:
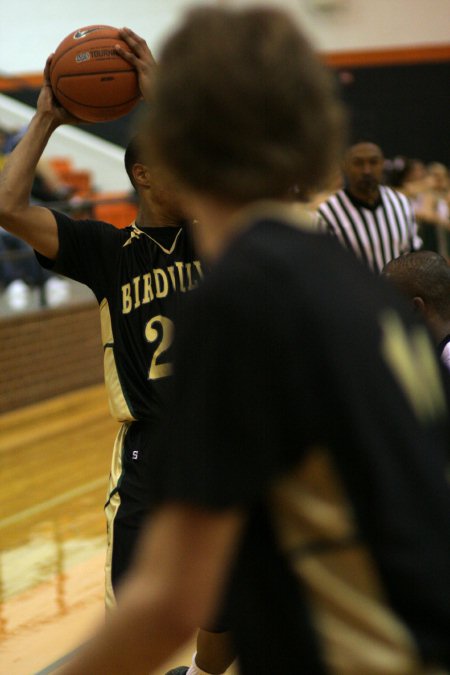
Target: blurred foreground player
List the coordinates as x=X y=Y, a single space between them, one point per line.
x=303 y=480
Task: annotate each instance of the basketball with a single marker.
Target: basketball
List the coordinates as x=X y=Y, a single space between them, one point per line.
x=90 y=79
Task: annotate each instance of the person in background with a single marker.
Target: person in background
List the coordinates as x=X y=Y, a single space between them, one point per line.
x=432 y=209
x=424 y=278
x=303 y=482
x=427 y=187
x=20 y=274
x=370 y=219
x=405 y=175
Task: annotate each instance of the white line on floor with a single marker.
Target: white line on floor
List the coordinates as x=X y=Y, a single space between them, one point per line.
x=54 y=501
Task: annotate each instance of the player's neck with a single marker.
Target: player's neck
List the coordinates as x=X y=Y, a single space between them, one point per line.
x=149 y=215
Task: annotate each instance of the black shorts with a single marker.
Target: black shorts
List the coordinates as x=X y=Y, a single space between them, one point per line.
x=128 y=503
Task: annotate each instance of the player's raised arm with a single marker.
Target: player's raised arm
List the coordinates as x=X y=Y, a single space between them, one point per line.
x=34 y=224
x=141 y=58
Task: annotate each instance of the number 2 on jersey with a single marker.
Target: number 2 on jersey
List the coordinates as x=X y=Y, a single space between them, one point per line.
x=160 y=330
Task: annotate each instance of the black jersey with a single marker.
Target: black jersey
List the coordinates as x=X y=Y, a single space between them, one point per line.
x=139 y=277
x=313 y=401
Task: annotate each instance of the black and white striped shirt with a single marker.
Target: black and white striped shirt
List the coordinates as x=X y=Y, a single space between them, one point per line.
x=377 y=233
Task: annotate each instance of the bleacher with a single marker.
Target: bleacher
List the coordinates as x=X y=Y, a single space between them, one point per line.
x=115 y=207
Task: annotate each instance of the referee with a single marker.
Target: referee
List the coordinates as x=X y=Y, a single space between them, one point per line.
x=372 y=220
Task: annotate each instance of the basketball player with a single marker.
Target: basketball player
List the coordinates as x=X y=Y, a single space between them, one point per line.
x=304 y=475
x=424 y=278
x=139 y=276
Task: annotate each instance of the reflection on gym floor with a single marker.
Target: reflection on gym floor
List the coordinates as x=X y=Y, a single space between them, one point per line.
x=52 y=529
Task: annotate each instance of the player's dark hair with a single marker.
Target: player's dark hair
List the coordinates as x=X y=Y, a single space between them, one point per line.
x=424 y=274
x=243 y=108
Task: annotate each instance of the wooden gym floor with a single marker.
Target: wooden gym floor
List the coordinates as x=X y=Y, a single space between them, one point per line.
x=54 y=464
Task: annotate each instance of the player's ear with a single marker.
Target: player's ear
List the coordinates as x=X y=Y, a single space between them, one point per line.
x=419 y=305
x=141 y=175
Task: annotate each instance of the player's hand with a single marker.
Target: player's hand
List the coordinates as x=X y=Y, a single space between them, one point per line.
x=141 y=58
x=47 y=103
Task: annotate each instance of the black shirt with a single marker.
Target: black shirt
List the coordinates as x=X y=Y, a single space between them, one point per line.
x=138 y=277
x=309 y=396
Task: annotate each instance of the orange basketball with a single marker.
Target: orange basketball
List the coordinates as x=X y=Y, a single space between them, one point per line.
x=90 y=79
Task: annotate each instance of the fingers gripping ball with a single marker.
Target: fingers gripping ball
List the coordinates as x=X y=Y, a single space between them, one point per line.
x=90 y=79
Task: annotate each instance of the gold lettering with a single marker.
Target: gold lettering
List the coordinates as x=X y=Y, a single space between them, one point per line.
x=198 y=267
x=413 y=362
x=191 y=284
x=179 y=266
x=137 y=300
x=172 y=277
x=159 y=286
x=161 y=283
x=126 y=299
x=148 y=292
x=159 y=331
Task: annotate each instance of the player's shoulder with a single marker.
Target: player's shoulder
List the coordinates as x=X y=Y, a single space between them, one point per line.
x=271 y=249
x=85 y=224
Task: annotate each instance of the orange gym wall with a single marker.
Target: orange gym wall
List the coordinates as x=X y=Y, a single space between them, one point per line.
x=388 y=57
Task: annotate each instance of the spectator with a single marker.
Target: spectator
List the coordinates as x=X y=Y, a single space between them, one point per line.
x=405 y=175
x=432 y=209
x=47 y=186
x=20 y=273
